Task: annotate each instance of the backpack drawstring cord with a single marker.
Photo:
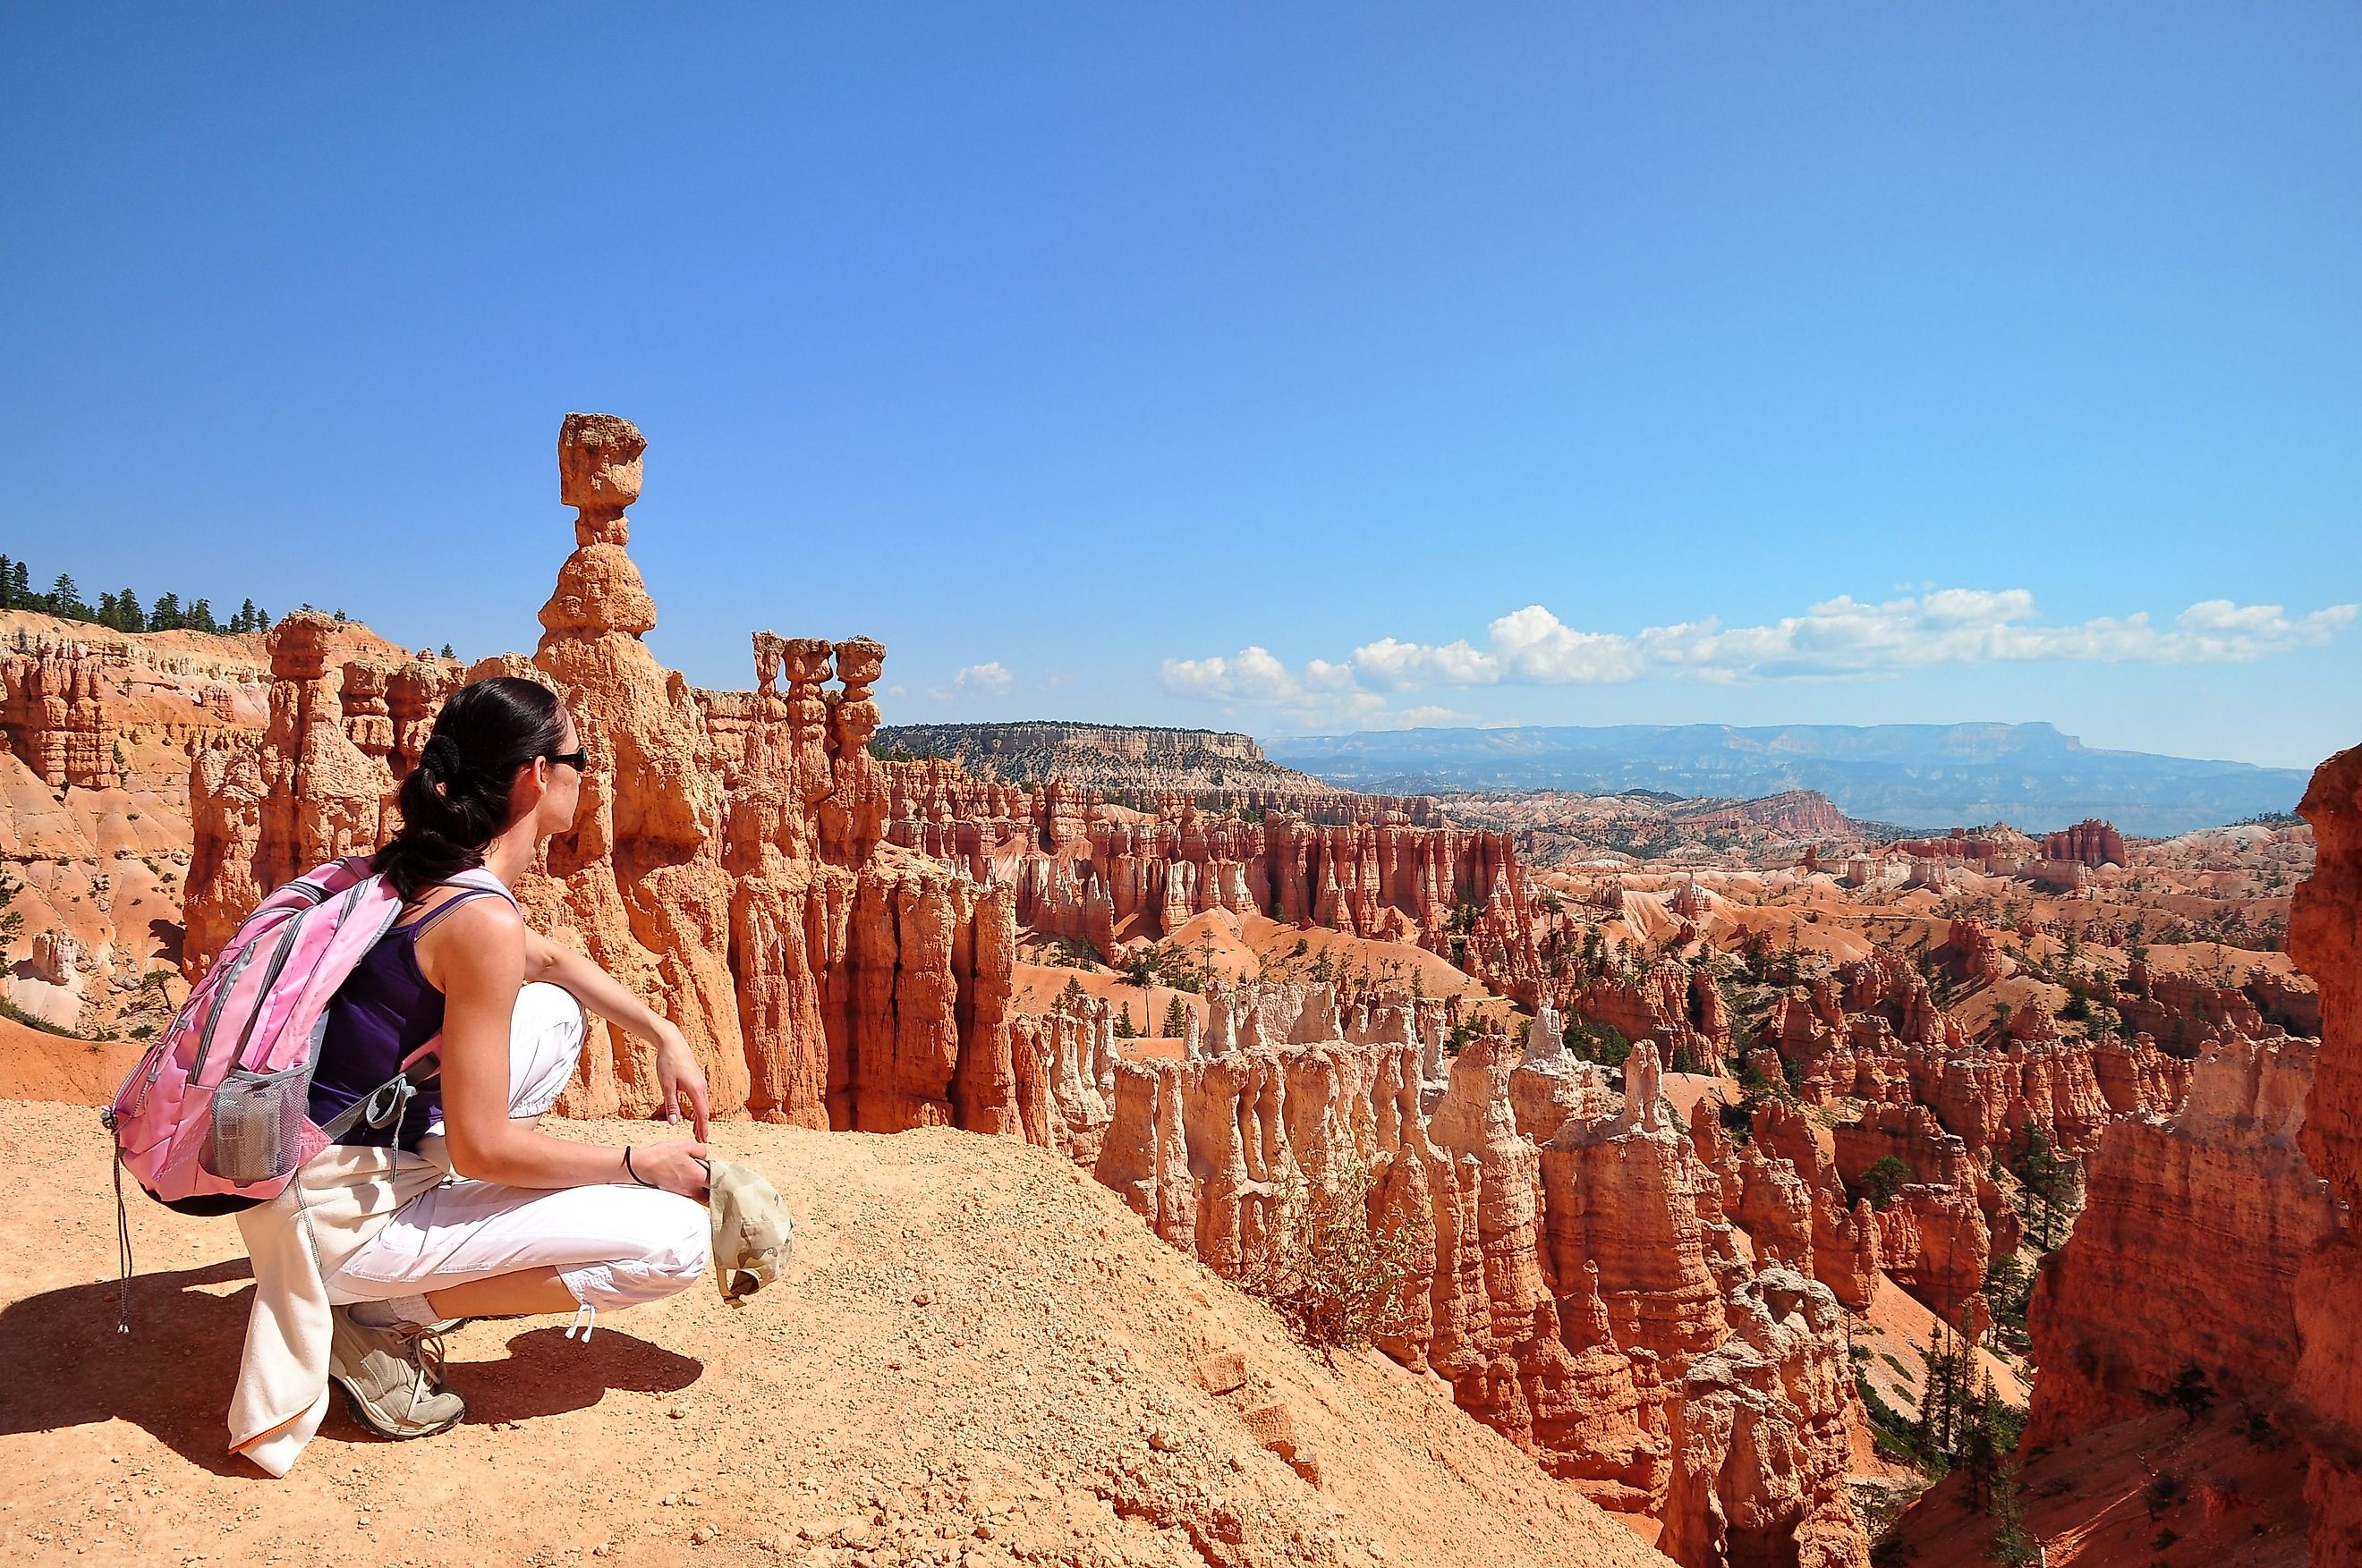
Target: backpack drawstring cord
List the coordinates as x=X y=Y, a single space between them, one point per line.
x=122 y=1248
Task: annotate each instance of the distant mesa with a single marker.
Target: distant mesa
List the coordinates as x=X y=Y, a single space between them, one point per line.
x=1918 y=774
x=1109 y=757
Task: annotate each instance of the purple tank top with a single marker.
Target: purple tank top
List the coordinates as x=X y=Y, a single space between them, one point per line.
x=386 y=1009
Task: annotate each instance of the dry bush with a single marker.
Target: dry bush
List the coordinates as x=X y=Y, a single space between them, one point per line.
x=1338 y=1283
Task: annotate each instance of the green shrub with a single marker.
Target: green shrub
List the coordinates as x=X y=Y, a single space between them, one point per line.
x=1339 y=1282
x=1882 y=1181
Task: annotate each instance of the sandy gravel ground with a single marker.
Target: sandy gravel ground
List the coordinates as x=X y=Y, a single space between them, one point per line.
x=981 y=1358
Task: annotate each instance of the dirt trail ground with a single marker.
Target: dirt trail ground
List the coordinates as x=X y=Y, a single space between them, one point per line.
x=2159 y=1489
x=980 y=1358
x=37 y=1064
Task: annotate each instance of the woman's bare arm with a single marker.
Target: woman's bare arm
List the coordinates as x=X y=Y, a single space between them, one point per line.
x=476 y=956
x=679 y=1075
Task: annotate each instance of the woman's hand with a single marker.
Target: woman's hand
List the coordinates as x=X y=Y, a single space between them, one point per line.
x=677 y=1168
x=681 y=1079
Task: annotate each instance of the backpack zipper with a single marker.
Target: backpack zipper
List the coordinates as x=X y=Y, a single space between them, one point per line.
x=278 y=963
x=212 y=1022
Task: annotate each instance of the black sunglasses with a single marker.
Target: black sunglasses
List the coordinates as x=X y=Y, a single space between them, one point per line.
x=578 y=761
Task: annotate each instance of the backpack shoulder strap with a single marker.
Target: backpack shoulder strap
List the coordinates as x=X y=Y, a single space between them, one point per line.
x=477 y=877
x=385 y=1104
x=426 y=923
x=473 y=882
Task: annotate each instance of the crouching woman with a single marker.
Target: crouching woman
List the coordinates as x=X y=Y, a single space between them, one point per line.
x=454 y=1205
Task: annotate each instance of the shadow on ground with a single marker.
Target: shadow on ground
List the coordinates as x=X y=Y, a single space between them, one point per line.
x=544 y=1373
x=171 y=1375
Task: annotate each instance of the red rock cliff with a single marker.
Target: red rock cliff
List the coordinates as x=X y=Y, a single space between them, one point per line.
x=2325 y=939
x=2188 y=1249
x=1587 y=1297
x=1106 y=874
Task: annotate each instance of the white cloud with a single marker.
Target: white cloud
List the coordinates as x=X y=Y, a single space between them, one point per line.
x=982 y=680
x=1324 y=695
x=1837 y=638
x=1430 y=716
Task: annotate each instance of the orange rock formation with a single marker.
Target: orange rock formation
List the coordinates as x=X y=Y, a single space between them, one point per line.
x=2325 y=936
x=2187 y=1248
x=53 y=712
x=1106 y=875
x=1587 y=1297
x=728 y=863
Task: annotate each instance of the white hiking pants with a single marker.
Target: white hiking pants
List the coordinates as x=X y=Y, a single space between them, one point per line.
x=613 y=1246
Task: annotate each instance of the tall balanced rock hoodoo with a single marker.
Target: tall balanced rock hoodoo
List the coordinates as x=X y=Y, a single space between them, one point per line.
x=637 y=879
x=728 y=863
x=2325 y=939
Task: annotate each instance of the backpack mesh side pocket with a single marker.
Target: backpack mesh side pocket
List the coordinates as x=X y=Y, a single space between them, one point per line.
x=259 y=1119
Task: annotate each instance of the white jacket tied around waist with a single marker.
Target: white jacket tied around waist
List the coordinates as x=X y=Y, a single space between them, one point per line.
x=373 y=1224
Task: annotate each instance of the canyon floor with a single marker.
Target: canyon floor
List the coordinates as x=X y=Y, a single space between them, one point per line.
x=979 y=1357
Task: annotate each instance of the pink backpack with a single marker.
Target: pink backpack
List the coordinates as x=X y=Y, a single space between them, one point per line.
x=215 y=1118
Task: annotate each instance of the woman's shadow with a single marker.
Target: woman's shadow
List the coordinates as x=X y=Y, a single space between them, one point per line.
x=171 y=1375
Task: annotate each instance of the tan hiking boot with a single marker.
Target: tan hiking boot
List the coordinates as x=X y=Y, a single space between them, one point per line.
x=393 y=1378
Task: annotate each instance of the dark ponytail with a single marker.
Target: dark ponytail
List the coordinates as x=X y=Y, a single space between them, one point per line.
x=455 y=802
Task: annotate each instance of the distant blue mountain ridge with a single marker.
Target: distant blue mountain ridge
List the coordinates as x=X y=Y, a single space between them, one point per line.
x=1921 y=775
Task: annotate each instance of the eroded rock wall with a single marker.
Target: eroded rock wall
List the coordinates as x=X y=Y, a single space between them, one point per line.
x=1105 y=874
x=2188 y=1249
x=2325 y=940
x=1585 y=1295
x=53 y=715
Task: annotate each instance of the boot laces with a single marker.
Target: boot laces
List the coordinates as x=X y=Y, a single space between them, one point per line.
x=423 y=1347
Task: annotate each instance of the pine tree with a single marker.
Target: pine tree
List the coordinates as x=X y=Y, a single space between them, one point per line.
x=447 y=652
x=1926 y=1433
x=201 y=617
x=2191 y=1394
x=65 y=600
x=244 y=620
x=20 y=588
x=126 y=605
x=1952 y=1408
x=166 y=616
x=2050 y=1183
x=107 y=614
x=1882 y=1181
x=8 y=572
x=1944 y=1390
x=1177 y=1019
x=2012 y=1544
x=1980 y=1448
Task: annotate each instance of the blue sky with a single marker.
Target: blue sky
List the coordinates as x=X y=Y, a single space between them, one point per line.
x=1267 y=368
